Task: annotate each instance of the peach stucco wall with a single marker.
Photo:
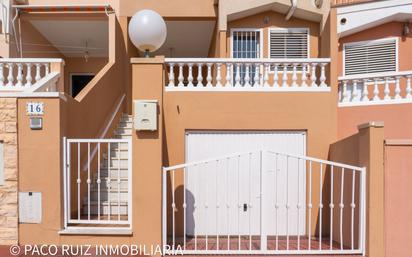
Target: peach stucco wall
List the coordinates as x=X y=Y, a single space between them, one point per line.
x=398 y=210
x=394 y=116
x=79 y=65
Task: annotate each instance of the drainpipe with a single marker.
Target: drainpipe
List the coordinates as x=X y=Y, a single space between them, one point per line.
x=14 y=30
x=292 y=9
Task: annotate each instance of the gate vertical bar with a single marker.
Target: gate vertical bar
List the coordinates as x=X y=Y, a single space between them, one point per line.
x=68 y=181
x=263 y=235
x=164 y=207
x=65 y=168
x=362 y=223
x=129 y=181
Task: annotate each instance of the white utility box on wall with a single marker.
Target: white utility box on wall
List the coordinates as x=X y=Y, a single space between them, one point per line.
x=30 y=208
x=145 y=115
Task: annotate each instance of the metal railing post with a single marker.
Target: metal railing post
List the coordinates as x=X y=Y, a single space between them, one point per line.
x=263 y=232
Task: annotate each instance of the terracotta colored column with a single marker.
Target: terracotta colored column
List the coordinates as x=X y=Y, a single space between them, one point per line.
x=148 y=84
x=371 y=155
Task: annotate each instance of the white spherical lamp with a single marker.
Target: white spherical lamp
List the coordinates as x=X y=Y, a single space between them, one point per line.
x=147 y=31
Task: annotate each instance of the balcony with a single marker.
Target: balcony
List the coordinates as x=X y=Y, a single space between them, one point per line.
x=375 y=89
x=29 y=75
x=247 y=75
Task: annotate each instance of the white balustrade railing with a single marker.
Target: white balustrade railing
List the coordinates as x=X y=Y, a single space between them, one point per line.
x=264 y=202
x=213 y=74
x=22 y=74
x=375 y=89
x=99 y=196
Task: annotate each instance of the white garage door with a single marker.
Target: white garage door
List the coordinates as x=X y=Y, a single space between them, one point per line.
x=226 y=198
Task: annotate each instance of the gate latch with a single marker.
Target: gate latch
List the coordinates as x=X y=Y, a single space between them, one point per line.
x=245 y=207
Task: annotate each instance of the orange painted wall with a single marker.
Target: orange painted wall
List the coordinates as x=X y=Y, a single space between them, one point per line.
x=79 y=65
x=398 y=210
x=394 y=116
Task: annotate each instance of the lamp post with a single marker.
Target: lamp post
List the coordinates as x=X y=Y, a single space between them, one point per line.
x=147 y=31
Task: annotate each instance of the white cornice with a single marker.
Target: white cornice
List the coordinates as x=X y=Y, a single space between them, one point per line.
x=360 y=17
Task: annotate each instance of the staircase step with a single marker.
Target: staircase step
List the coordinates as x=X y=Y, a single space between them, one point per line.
x=113 y=184
x=104 y=195
x=104 y=173
x=115 y=146
x=104 y=208
x=115 y=164
x=126 y=124
x=121 y=136
x=124 y=153
x=123 y=131
x=126 y=119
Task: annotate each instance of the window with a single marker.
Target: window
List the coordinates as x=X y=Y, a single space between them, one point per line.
x=246 y=43
x=370 y=56
x=78 y=81
x=289 y=43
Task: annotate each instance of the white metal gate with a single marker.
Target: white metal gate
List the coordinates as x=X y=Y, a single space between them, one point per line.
x=97 y=178
x=213 y=216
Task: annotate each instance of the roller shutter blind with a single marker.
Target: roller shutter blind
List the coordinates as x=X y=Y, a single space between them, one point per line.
x=370 y=57
x=289 y=43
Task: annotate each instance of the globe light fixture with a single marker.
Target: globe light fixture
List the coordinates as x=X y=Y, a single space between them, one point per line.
x=147 y=31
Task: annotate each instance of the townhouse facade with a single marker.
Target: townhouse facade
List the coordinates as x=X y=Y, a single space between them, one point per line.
x=259 y=127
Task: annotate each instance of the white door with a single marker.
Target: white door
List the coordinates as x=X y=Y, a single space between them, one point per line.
x=224 y=197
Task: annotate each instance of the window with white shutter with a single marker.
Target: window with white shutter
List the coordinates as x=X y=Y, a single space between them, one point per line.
x=370 y=56
x=289 y=43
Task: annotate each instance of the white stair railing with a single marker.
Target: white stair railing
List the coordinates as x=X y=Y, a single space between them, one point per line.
x=264 y=202
x=375 y=89
x=101 y=195
x=22 y=74
x=229 y=74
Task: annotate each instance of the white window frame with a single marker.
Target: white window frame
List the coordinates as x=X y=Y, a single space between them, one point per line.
x=77 y=74
x=371 y=42
x=260 y=30
x=290 y=30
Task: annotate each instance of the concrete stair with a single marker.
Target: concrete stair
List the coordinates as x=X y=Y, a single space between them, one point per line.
x=117 y=167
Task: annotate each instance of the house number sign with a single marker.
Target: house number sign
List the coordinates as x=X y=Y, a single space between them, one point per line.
x=35 y=108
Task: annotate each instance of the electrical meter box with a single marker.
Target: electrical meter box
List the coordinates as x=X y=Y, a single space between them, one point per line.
x=30 y=207
x=145 y=115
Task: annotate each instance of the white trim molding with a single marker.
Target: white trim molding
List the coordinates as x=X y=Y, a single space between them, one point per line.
x=358 y=17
